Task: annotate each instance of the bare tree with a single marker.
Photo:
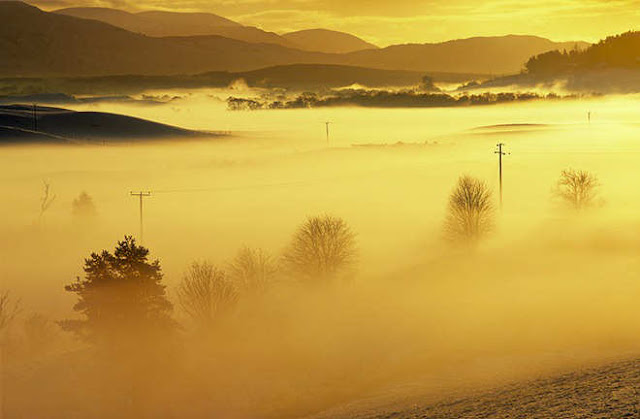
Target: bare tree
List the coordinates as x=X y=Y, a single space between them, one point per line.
x=470 y=212
x=206 y=293
x=578 y=189
x=47 y=198
x=252 y=270
x=9 y=309
x=324 y=247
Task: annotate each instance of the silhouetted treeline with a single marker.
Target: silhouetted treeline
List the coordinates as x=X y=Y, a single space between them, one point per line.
x=383 y=99
x=620 y=51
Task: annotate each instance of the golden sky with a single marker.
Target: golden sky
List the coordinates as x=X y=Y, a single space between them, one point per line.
x=400 y=21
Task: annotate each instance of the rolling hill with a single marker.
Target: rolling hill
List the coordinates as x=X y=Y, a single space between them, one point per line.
x=324 y=40
x=55 y=125
x=162 y=24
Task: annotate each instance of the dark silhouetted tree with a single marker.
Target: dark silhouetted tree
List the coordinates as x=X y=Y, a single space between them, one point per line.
x=120 y=296
x=578 y=189
x=470 y=211
x=206 y=294
x=323 y=248
x=252 y=270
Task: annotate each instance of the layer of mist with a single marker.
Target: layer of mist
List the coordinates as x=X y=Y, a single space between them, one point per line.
x=548 y=290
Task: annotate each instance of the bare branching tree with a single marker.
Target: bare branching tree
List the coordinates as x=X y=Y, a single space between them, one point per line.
x=578 y=189
x=323 y=248
x=47 y=198
x=206 y=294
x=252 y=270
x=470 y=212
x=9 y=309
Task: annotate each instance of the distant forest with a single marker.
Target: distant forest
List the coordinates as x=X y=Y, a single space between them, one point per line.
x=620 y=51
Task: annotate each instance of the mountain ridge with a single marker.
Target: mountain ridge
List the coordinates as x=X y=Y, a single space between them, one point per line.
x=35 y=43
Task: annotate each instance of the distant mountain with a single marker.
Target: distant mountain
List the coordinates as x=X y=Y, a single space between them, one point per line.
x=324 y=40
x=37 y=43
x=160 y=24
x=487 y=55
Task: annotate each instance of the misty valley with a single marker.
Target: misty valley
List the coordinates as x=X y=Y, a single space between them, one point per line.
x=265 y=215
x=544 y=289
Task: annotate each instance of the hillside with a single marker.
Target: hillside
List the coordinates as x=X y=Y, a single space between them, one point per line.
x=607 y=392
x=621 y=51
x=610 y=66
x=162 y=24
x=57 y=125
x=324 y=40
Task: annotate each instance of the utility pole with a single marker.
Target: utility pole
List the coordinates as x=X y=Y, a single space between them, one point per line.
x=327 y=125
x=500 y=153
x=141 y=195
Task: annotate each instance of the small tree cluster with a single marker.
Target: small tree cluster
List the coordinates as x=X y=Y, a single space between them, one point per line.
x=207 y=293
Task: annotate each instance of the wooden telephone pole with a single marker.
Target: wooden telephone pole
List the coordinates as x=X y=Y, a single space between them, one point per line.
x=141 y=195
x=327 y=125
x=500 y=153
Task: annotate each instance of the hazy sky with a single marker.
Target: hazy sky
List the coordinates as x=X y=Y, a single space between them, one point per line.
x=397 y=21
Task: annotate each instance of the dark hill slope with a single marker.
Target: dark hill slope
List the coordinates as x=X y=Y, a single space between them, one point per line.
x=18 y=122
